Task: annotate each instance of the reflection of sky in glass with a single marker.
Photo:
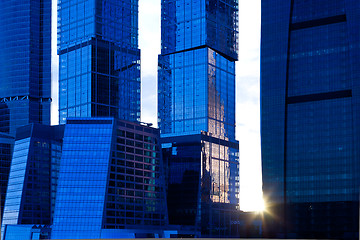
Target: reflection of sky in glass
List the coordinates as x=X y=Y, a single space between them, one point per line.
x=197 y=92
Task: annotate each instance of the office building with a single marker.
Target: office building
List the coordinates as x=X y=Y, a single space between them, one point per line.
x=310 y=122
x=99 y=59
x=196 y=110
x=25 y=61
x=31 y=190
x=111 y=182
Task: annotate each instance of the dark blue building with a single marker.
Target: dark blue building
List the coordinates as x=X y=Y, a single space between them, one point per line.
x=99 y=59
x=310 y=122
x=6 y=148
x=196 y=110
x=111 y=181
x=25 y=61
x=31 y=191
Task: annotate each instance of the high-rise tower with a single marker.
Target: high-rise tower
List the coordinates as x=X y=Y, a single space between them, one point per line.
x=310 y=122
x=197 y=67
x=25 y=69
x=196 y=104
x=25 y=62
x=99 y=59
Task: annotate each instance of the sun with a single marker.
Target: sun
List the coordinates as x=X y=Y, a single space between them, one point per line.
x=253 y=205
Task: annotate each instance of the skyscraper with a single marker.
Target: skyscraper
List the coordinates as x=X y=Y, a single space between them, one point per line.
x=99 y=59
x=196 y=110
x=310 y=122
x=25 y=68
x=25 y=61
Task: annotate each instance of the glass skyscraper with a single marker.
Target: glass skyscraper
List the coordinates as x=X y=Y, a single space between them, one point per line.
x=111 y=181
x=196 y=110
x=310 y=122
x=25 y=68
x=25 y=61
x=99 y=59
x=197 y=67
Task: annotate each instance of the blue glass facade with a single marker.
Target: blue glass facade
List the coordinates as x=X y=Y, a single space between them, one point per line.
x=25 y=61
x=111 y=182
x=99 y=59
x=196 y=78
x=31 y=189
x=197 y=93
x=4 y=118
x=6 y=148
x=187 y=24
x=310 y=119
x=196 y=113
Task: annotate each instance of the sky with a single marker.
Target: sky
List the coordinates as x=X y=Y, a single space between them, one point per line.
x=247 y=88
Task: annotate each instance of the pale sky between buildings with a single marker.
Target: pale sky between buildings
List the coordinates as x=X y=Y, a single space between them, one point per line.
x=247 y=87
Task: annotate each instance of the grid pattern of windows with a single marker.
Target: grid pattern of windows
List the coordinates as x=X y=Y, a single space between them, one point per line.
x=196 y=77
x=110 y=178
x=99 y=63
x=82 y=181
x=309 y=116
x=6 y=147
x=319 y=151
x=135 y=194
x=321 y=64
x=4 y=118
x=197 y=93
x=16 y=181
x=222 y=163
x=187 y=24
x=25 y=61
